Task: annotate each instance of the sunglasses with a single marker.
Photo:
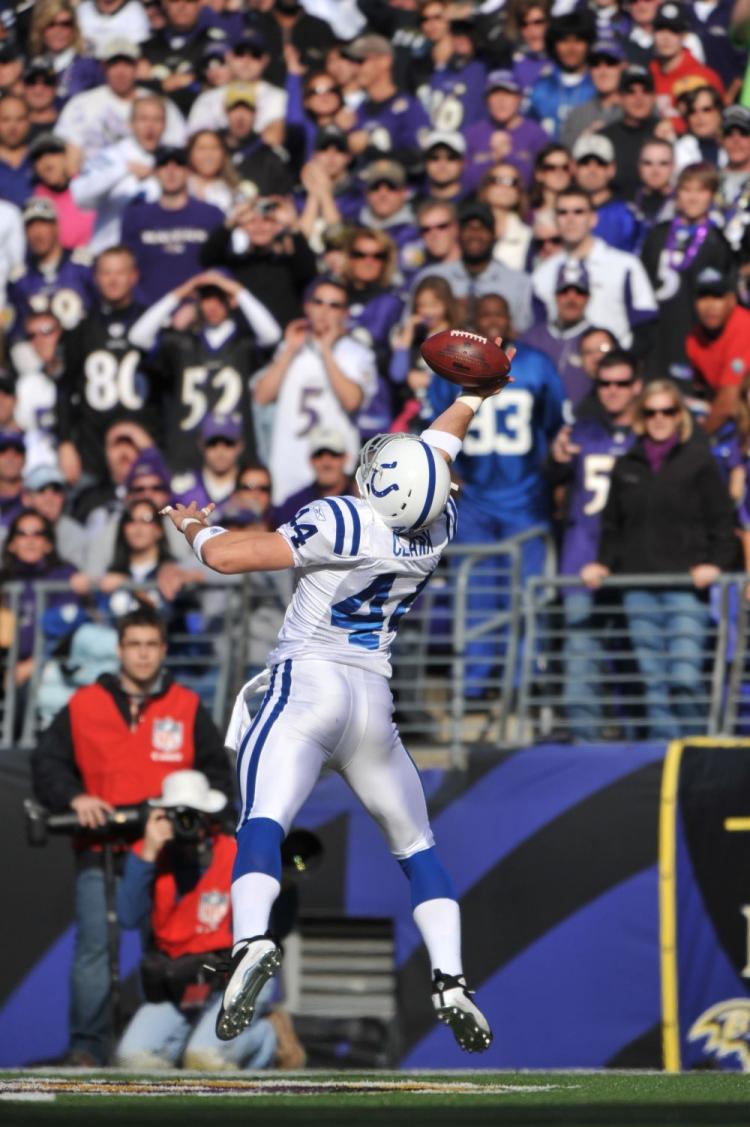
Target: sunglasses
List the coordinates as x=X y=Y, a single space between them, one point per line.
x=604 y=61
x=380 y=255
x=443 y=154
x=547 y=166
x=29 y=533
x=562 y=211
x=425 y=230
x=247 y=52
x=652 y=412
x=615 y=383
x=51 y=487
x=591 y=159
x=506 y=181
x=40 y=80
x=6 y=446
x=328 y=304
x=377 y=184
x=249 y=487
x=60 y=23
x=553 y=240
x=736 y=131
x=219 y=440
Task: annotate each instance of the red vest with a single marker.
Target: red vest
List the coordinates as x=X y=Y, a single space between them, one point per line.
x=123 y=766
x=202 y=919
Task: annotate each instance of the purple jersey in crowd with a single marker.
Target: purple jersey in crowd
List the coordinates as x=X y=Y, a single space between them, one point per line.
x=167 y=244
x=526 y=140
x=396 y=123
x=454 y=96
x=563 y=348
x=66 y=290
x=592 y=466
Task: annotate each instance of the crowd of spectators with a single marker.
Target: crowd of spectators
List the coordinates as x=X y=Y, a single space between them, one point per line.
x=226 y=227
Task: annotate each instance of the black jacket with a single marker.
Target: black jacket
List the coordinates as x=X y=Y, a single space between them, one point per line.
x=669 y=521
x=54 y=771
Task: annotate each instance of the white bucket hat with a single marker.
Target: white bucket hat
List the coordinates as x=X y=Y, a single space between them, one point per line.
x=192 y=789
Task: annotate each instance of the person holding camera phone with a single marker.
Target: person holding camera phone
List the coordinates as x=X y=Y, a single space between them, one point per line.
x=178 y=879
x=112 y=745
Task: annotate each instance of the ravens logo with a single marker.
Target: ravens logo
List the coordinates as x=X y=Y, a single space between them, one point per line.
x=727 y=1029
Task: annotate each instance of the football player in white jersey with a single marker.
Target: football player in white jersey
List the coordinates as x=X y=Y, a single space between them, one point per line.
x=361 y=562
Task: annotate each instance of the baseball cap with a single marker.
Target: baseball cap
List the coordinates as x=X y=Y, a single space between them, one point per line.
x=252 y=40
x=43 y=475
x=166 y=153
x=737 y=117
x=9 y=51
x=388 y=170
x=636 y=76
x=326 y=438
x=119 y=48
x=365 y=46
x=502 y=80
x=450 y=140
x=594 y=145
x=573 y=273
x=608 y=49
x=221 y=426
x=12 y=438
x=40 y=66
x=148 y=463
x=713 y=281
x=476 y=210
x=330 y=136
x=240 y=94
x=38 y=207
x=671 y=17
x=45 y=143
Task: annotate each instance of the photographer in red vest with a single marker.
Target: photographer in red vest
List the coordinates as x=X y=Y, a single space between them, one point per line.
x=112 y=745
x=179 y=879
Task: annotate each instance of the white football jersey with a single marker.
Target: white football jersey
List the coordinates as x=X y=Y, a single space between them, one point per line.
x=356 y=580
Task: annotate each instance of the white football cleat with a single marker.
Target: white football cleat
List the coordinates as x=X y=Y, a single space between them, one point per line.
x=453 y=1005
x=253 y=963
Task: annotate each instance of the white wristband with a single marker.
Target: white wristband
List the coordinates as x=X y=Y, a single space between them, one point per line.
x=473 y=402
x=204 y=535
x=188 y=520
x=441 y=440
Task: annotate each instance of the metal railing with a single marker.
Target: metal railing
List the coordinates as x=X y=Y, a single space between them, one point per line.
x=480 y=658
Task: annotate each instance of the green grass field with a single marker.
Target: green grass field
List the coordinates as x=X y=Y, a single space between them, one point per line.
x=176 y=1099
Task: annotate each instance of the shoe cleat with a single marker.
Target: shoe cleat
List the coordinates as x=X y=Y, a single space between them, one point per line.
x=250 y=968
x=454 y=1007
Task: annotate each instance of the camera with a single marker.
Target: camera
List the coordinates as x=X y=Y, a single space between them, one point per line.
x=126 y=823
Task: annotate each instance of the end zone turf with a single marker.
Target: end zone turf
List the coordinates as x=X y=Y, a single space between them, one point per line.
x=435 y=1099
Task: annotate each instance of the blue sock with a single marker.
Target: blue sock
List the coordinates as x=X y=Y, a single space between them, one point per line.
x=428 y=878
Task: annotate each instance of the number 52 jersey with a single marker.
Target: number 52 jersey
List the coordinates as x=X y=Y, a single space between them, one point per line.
x=356 y=580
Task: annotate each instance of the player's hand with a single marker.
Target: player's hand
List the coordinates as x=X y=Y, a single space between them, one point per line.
x=592 y=575
x=178 y=513
x=91 y=811
x=703 y=575
x=157 y=832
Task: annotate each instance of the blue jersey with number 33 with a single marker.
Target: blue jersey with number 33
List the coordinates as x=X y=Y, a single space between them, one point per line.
x=356 y=580
x=503 y=456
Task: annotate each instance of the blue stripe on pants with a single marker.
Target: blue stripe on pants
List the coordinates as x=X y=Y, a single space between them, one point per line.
x=253 y=725
x=276 y=711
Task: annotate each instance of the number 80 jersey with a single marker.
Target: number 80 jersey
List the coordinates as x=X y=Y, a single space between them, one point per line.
x=357 y=579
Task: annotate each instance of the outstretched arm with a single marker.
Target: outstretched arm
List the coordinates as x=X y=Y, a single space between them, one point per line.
x=230 y=552
x=455 y=421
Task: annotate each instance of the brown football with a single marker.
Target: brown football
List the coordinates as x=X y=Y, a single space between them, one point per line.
x=465 y=358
